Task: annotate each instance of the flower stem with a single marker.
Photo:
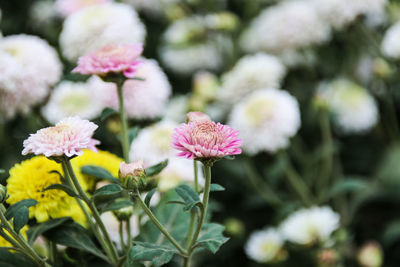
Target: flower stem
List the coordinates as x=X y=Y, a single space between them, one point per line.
x=203 y=213
x=96 y=215
x=124 y=122
x=20 y=240
x=157 y=223
x=196 y=177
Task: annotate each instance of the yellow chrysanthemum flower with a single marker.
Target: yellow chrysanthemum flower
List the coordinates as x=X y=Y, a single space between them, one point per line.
x=27 y=181
x=103 y=159
x=5 y=243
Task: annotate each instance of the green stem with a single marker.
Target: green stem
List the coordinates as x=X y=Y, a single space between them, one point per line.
x=324 y=177
x=297 y=184
x=196 y=177
x=96 y=215
x=157 y=223
x=86 y=212
x=128 y=231
x=191 y=228
x=124 y=122
x=52 y=252
x=121 y=235
x=203 y=213
x=23 y=244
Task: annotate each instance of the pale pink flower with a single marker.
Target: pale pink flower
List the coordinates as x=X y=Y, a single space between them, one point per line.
x=111 y=58
x=197 y=116
x=67 y=7
x=131 y=169
x=68 y=137
x=206 y=139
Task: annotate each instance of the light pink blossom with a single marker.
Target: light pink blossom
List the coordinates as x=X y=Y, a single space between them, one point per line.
x=206 y=139
x=111 y=58
x=131 y=169
x=68 y=137
x=197 y=116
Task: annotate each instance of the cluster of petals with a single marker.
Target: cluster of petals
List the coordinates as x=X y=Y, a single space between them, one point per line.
x=111 y=58
x=68 y=137
x=206 y=139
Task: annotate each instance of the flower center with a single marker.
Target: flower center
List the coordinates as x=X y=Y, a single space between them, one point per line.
x=259 y=111
x=207 y=132
x=75 y=103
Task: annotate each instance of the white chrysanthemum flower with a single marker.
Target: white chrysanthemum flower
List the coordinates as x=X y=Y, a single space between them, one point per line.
x=286 y=26
x=186 y=60
x=42 y=13
x=153 y=145
x=94 y=27
x=391 y=42
x=340 y=13
x=264 y=246
x=355 y=110
x=29 y=66
x=308 y=226
x=67 y=7
x=81 y=99
x=266 y=119
x=112 y=225
x=249 y=74
x=148 y=98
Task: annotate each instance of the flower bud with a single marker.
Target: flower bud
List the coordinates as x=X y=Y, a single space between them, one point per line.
x=124 y=214
x=382 y=68
x=328 y=258
x=197 y=116
x=370 y=255
x=234 y=227
x=205 y=85
x=3 y=193
x=132 y=175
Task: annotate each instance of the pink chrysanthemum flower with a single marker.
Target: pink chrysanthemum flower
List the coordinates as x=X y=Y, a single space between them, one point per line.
x=68 y=137
x=204 y=139
x=111 y=58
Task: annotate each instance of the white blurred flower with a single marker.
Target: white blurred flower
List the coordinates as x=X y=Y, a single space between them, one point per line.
x=67 y=7
x=28 y=67
x=112 y=225
x=391 y=42
x=42 y=13
x=81 y=99
x=311 y=225
x=153 y=145
x=286 y=26
x=340 y=13
x=264 y=246
x=148 y=98
x=249 y=74
x=266 y=119
x=177 y=108
x=96 y=26
x=355 y=110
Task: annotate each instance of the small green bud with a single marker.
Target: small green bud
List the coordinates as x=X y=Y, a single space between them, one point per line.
x=133 y=175
x=234 y=227
x=124 y=214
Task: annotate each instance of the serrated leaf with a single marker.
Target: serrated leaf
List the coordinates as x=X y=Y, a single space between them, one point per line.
x=37 y=230
x=11 y=211
x=189 y=196
x=211 y=237
x=110 y=190
x=67 y=189
x=156 y=169
x=21 y=218
x=348 y=186
x=99 y=172
x=157 y=254
x=13 y=259
x=73 y=235
x=115 y=204
x=148 y=197
x=132 y=134
x=107 y=112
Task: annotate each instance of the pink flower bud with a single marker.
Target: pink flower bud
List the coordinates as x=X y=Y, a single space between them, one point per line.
x=133 y=169
x=197 y=116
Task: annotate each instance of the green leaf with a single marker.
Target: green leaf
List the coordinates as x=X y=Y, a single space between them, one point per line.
x=11 y=211
x=116 y=204
x=157 y=254
x=132 y=134
x=110 y=190
x=107 y=112
x=348 y=186
x=391 y=234
x=2 y=171
x=37 y=230
x=215 y=188
x=99 y=172
x=211 y=237
x=148 y=197
x=156 y=169
x=67 y=189
x=189 y=196
x=21 y=218
x=13 y=259
x=73 y=235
